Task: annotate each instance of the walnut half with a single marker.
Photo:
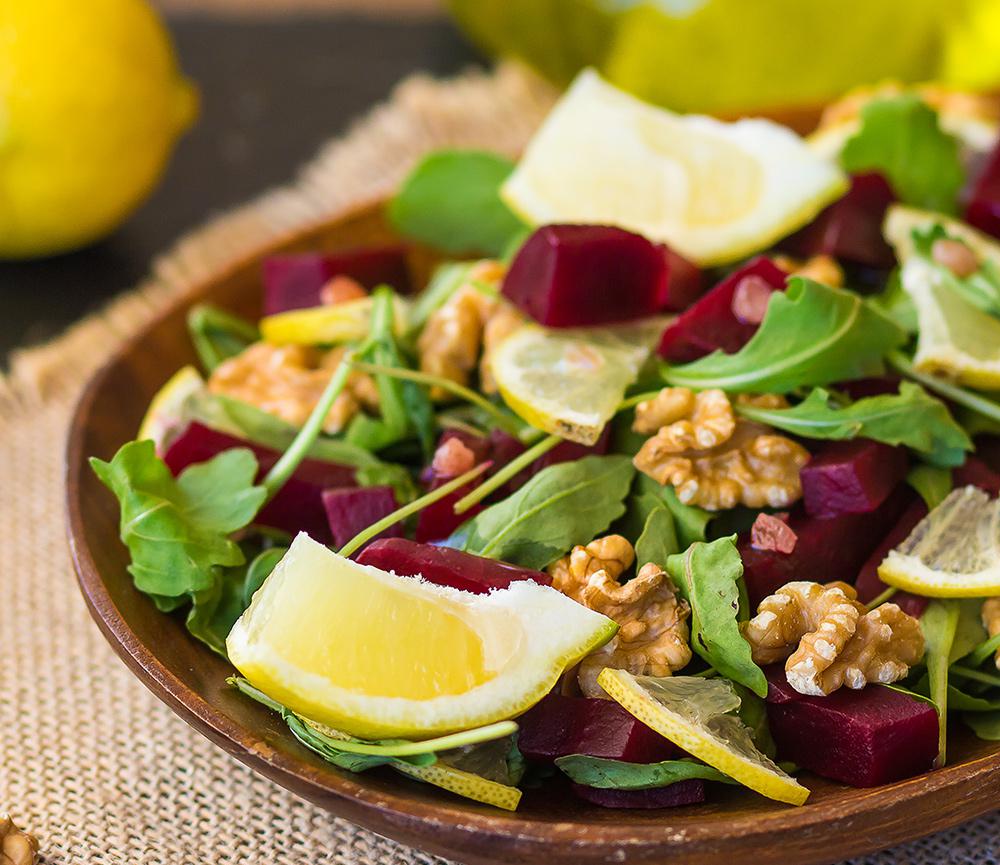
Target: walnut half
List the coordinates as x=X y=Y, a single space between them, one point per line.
x=829 y=639
x=17 y=847
x=991 y=621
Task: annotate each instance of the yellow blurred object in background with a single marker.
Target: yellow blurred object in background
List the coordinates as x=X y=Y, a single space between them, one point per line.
x=91 y=104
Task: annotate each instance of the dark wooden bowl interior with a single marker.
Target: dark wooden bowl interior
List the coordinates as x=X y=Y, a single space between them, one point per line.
x=550 y=827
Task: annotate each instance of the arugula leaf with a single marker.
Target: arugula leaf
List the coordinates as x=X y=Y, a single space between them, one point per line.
x=618 y=775
x=658 y=540
x=901 y=139
x=939 y=623
x=811 y=335
x=984 y=651
x=177 y=530
x=690 y=522
x=982 y=288
x=912 y=417
x=986 y=725
x=932 y=483
x=218 y=335
x=451 y=201
x=708 y=576
x=969 y=629
x=564 y=505
x=753 y=714
x=895 y=303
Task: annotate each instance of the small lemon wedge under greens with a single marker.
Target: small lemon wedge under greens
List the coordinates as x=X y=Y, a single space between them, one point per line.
x=166 y=408
x=380 y=656
x=953 y=552
x=901 y=221
x=570 y=382
x=462 y=783
x=715 y=192
x=324 y=325
x=696 y=714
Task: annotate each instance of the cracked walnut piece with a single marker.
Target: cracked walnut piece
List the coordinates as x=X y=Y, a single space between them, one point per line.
x=288 y=380
x=652 y=639
x=991 y=621
x=829 y=639
x=17 y=847
x=714 y=459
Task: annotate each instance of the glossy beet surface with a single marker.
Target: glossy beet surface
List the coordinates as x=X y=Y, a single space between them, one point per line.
x=977 y=472
x=688 y=792
x=298 y=506
x=869 y=585
x=685 y=282
x=561 y=725
x=294 y=281
x=445 y=567
x=350 y=510
x=438 y=520
x=712 y=323
x=578 y=275
x=983 y=210
x=851 y=477
x=505 y=447
x=850 y=228
x=863 y=738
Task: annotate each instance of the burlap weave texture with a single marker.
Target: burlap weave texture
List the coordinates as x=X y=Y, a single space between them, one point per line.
x=90 y=761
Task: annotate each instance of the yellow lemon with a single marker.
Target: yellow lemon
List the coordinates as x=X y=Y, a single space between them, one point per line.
x=91 y=103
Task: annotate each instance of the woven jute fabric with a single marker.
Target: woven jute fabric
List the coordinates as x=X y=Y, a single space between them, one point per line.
x=90 y=761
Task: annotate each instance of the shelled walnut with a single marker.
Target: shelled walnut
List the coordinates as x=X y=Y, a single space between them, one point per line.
x=17 y=847
x=822 y=268
x=991 y=621
x=828 y=639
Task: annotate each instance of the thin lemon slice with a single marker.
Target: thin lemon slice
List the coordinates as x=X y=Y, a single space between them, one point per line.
x=696 y=715
x=716 y=192
x=570 y=382
x=166 y=409
x=953 y=552
x=463 y=783
x=321 y=325
x=381 y=656
x=901 y=221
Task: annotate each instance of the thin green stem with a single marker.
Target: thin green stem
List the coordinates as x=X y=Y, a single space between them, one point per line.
x=986 y=649
x=427 y=746
x=979 y=404
x=633 y=401
x=710 y=673
x=413 y=507
x=881 y=599
x=506 y=473
x=975 y=675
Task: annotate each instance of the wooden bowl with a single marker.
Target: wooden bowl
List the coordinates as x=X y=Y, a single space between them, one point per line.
x=556 y=829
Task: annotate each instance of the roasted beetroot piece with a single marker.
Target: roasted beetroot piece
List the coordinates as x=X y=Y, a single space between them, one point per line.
x=685 y=282
x=862 y=388
x=689 y=792
x=825 y=550
x=298 y=506
x=850 y=228
x=726 y=317
x=976 y=472
x=983 y=210
x=438 y=520
x=578 y=275
x=445 y=567
x=560 y=725
x=851 y=477
x=350 y=510
x=862 y=738
x=479 y=446
x=505 y=448
x=295 y=281
x=869 y=585
x=457 y=451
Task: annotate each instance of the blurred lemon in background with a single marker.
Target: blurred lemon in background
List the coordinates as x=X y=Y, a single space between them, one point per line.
x=736 y=55
x=91 y=103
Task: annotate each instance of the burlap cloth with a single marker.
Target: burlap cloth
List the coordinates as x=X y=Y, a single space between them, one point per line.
x=89 y=760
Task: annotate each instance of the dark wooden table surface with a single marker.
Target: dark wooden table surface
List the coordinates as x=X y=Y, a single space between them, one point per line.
x=272 y=91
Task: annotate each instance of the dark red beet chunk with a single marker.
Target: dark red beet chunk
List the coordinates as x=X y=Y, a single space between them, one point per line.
x=685 y=282
x=688 y=792
x=977 y=473
x=869 y=585
x=559 y=725
x=862 y=388
x=850 y=228
x=576 y=275
x=851 y=477
x=446 y=567
x=351 y=510
x=862 y=738
x=506 y=447
x=294 y=281
x=298 y=506
x=983 y=210
x=825 y=550
x=438 y=520
x=712 y=323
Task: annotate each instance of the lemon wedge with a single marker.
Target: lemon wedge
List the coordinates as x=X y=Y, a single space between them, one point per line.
x=570 y=382
x=335 y=323
x=715 y=192
x=696 y=715
x=166 y=409
x=953 y=552
x=380 y=656
x=901 y=221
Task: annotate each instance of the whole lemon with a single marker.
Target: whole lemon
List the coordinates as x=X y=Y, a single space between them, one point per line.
x=91 y=104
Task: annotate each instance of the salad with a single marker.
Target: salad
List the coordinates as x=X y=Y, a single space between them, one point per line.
x=680 y=468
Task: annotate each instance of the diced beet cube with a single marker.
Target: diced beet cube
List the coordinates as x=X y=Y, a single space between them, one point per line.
x=851 y=477
x=446 y=567
x=868 y=584
x=351 y=510
x=294 y=281
x=689 y=792
x=577 y=275
x=825 y=550
x=779 y=691
x=560 y=725
x=976 y=472
x=298 y=506
x=685 y=282
x=438 y=520
x=851 y=227
x=711 y=323
x=505 y=448
x=862 y=738
x=862 y=388
x=983 y=210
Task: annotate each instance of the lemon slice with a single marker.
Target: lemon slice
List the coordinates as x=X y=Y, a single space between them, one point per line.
x=570 y=382
x=696 y=715
x=336 y=323
x=463 y=783
x=953 y=552
x=716 y=192
x=901 y=221
x=380 y=656
x=166 y=410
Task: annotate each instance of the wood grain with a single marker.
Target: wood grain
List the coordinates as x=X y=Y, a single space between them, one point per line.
x=556 y=829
